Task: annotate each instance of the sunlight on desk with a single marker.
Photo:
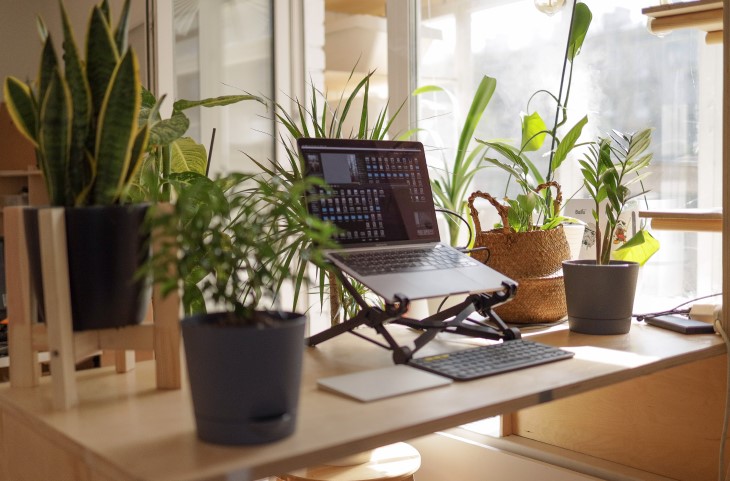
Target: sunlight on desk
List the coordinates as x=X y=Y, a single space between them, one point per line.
x=610 y=356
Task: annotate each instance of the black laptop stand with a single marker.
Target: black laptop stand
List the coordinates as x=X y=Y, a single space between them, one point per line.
x=453 y=320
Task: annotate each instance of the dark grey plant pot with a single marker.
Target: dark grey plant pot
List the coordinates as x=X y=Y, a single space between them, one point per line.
x=244 y=379
x=600 y=298
x=106 y=246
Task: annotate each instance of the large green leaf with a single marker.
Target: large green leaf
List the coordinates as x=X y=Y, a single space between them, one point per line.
x=101 y=57
x=479 y=103
x=188 y=156
x=21 y=108
x=581 y=22
x=169 y=130
x=117 y=130
x=55 y=137
x=568 y=142
x=49 y=62
x=180 y=105
x=533 y=132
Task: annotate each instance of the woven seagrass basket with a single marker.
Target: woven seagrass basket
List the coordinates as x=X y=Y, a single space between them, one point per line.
x=533 y=259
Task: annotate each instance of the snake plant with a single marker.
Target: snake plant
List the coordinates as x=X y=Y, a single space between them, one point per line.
x=81 y=114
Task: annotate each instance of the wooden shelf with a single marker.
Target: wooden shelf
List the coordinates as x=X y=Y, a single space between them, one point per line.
x=705 y=15
x=698 y=220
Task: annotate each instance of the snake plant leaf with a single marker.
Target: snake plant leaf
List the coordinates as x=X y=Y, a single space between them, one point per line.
x=102 y=57
x=188 y=155
x=181 y=105
x=121 y=34
x=117 y=130
x=49 y=62
x=168 y=130
x=581 y=22
x=42 y=29
x=639 y=248
x=55 y=137
x=106 y=10
x=21 y=108
x=79 y=174
x=568 y=142
x=533 y=132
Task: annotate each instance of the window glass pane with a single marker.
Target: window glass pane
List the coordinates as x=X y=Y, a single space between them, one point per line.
x=225 y=47
x=624 y=79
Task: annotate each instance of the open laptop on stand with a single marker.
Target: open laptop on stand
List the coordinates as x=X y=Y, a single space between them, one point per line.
x=379 y=196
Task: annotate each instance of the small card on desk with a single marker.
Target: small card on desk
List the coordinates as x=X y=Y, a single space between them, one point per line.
x=382 y=383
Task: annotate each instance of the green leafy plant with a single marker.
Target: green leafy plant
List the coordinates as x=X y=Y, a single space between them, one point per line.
x=81 y=115
x=235 y=237
x=450 y=185
x=169 y=150
x=612 y=165
x=534 y=210
x=321 y=119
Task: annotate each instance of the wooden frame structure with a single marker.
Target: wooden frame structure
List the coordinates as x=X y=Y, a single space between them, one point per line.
x=27 y=337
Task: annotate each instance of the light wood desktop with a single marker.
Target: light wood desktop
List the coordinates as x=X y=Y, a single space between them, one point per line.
x=125 y=429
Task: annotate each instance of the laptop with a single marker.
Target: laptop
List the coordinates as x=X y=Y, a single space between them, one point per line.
x=379 y=197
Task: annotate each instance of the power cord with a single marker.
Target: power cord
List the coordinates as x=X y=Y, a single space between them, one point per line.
x=676 y=309
x=460 y=217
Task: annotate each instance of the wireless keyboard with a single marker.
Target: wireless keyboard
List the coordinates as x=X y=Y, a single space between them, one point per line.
x=482 y=361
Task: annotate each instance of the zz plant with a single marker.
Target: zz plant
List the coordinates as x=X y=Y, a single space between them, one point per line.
x=81 y=115
x=612 y=165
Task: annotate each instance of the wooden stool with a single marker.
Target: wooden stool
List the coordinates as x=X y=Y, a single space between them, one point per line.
x=395 y=462
x=27 y=337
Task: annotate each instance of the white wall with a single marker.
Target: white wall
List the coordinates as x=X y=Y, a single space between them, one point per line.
x=21 y=45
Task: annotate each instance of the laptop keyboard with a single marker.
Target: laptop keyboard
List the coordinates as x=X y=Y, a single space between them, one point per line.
x=404 y=260
x=482 y=361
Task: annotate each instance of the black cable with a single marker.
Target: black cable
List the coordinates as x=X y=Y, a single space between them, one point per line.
x=442 y=304
x=468 y=226
x=675 y=309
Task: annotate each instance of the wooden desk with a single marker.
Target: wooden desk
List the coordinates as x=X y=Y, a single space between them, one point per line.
x=125 y=429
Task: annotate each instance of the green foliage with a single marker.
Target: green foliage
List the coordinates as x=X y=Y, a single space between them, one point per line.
x=320 y=119
x=235 y=233
x=450 y=185
x=612 y=165
x=169 y=150
x=513 y=159
x=81 y=116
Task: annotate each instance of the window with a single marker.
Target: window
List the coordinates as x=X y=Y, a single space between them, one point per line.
x=225 y=47
x=624 y=79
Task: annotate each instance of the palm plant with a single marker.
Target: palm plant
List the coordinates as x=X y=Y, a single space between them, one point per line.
x=320 y=119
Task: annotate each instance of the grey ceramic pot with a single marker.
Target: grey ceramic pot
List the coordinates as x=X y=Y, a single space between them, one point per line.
x=244 y=379
x=600 y=298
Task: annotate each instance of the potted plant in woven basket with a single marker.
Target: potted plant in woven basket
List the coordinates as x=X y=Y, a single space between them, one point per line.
x=527 y=253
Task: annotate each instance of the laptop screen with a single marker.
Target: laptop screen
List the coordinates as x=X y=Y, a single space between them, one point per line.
x=379 y=190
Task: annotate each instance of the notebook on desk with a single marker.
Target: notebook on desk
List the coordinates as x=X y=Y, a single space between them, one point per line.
x=380 y=199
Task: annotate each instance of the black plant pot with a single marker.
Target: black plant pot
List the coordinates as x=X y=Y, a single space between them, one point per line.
x=244 y=379
x=600 y=298
x=106 y=246
x=33 y=246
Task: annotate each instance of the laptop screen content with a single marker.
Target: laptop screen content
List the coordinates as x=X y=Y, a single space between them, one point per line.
x=379 y=191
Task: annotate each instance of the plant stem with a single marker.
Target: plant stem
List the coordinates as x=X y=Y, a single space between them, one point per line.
x=560 y=94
